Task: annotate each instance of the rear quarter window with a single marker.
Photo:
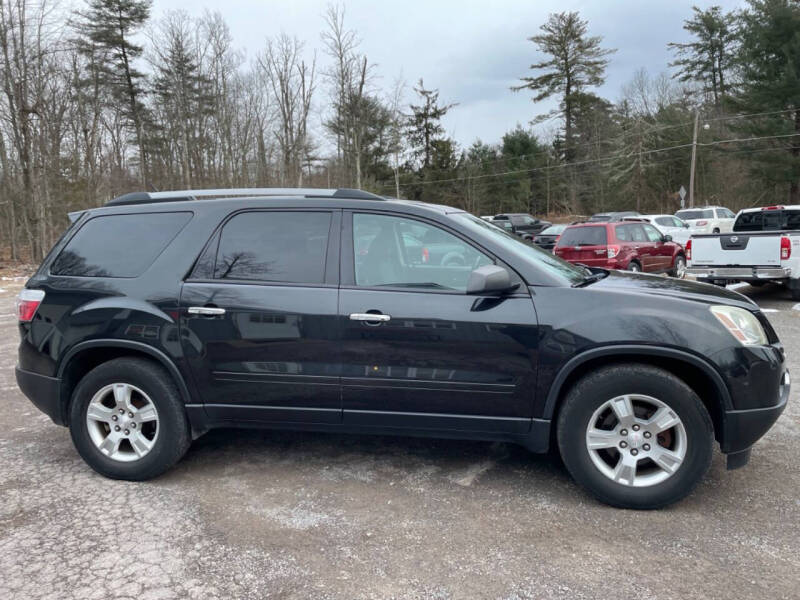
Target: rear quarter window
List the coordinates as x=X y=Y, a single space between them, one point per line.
x=584 y=236
x=118 y=245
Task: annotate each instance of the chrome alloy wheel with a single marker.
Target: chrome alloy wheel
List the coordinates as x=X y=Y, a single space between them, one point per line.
x=636 y=440
x=680 y=267
x=122 y=422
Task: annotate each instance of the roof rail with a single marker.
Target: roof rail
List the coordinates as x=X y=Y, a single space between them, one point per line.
x=180 y=195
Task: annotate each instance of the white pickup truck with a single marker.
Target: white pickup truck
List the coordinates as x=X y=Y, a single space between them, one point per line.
x=763 y=247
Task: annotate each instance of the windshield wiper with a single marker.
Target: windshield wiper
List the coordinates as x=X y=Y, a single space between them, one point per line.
x=591 y=278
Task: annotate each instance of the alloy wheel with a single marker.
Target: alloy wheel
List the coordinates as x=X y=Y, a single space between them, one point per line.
x=122 y=422
x=636 y=440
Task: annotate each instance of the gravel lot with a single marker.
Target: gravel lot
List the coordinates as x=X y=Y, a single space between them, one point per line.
x=251 y=514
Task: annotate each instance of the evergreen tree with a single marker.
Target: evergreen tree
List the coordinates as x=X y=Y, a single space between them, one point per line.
x=770 y=67
x=576 y=62
x=106 y=28
x=709 y=58
x=424 y=124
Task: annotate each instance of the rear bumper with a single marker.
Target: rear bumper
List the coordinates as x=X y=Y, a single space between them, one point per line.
x=740 y=273
x=43 y=391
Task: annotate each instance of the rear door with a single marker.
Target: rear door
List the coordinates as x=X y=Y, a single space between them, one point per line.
x=259 y=322
x=417 y=351
x=587 y=244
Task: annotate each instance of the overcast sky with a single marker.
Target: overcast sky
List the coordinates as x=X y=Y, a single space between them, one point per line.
x=471 y=51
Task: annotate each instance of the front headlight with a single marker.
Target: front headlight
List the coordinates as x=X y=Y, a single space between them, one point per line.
x=742 y=324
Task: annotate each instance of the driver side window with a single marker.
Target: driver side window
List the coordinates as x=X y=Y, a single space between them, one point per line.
x=401 y=252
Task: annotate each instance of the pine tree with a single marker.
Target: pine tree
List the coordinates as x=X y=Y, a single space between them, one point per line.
x=709 y=58
x=105 y=31
x=576 y=62
x=424 y=124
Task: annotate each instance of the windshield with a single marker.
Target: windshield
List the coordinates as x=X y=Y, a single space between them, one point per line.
x=688 y=215
x=553 y=230
x=570 y=274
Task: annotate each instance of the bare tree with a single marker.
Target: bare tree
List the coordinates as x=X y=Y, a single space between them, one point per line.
x=291 y=82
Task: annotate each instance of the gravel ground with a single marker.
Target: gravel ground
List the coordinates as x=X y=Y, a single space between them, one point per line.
x=251 y=514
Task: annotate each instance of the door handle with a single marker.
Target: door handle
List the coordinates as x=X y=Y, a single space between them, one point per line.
x=205 y=310
x=369 y=317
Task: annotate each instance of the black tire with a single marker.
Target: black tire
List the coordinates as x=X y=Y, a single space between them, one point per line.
x=795 y=292
x=676 y=267
x=634 y=267
x=599 y=386
x=174 y=436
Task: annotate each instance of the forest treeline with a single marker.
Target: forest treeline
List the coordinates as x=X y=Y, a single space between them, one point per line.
x=99 y=98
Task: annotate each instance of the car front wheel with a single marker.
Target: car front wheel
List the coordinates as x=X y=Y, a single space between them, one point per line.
x=127 y=420
x=635 y=436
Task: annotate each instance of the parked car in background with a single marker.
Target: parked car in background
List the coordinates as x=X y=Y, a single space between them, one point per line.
x=547 y=238
x=707 y=219
x=610 y=217
x=668 y=225
x=522 y=224
x=763 y=247
x=160 y=316
x=625 y=246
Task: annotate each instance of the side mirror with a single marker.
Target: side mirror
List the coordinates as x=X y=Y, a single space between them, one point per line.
x=686 y=225
x=667 y=238
x=489 y=279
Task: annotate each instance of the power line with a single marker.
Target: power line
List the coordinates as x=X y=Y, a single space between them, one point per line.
x=601 y=159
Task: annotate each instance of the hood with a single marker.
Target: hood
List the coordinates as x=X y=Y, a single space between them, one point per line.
x=656 y=285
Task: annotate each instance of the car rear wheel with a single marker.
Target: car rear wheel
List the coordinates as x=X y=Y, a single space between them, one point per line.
x=635 y=436
x=127 y=420
x=634 y=266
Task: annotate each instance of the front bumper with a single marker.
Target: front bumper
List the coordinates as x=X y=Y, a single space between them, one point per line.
x=739 y=273
x=743 y=428
x=43 y=391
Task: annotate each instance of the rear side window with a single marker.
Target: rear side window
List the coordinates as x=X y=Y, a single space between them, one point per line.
x=287 y=247
x=118 y=245
x=583 y=236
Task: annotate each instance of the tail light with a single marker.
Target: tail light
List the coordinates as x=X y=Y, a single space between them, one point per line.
x=701 y=223
x=612 y=251
x=28 y=302
x=426 y=255
x=772 y=208
x=786 y=248
x=688 y=249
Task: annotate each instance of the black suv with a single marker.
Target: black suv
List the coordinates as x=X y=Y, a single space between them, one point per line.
x=162 y=315
x=521 y=224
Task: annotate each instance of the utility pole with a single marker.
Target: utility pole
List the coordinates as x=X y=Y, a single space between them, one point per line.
x=694 y=158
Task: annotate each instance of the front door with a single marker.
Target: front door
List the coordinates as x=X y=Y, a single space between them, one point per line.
x=259 y=320
x=418 y=351
x=662 y=252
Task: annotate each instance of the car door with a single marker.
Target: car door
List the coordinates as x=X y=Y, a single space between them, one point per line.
x=259 y=318
x=417 y=351
x=660 y=251
x=645 y=249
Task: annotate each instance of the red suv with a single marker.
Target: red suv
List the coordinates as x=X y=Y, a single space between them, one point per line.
x=630 y=246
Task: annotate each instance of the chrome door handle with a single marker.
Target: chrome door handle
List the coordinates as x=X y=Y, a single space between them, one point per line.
x=369 y=317
x=205 y=310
